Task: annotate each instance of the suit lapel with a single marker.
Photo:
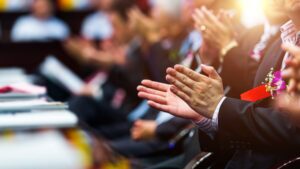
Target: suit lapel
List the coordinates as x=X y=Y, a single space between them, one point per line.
x=273 y=59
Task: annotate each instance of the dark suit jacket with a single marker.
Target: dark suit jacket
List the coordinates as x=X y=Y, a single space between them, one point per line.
x=258 y=135
x=171 y=128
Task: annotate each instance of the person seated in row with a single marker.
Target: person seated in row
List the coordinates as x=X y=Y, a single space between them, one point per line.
x=40 y=25
x=98 y=26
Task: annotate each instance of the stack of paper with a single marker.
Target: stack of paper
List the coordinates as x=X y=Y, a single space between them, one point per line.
x=38 y=119
x=21 y=91
x=21 y=106
x=30 y=105
x=12 y=75
x=31 y=114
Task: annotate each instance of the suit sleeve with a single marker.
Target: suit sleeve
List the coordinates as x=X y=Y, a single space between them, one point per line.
x=169 y=129
x=260 y=127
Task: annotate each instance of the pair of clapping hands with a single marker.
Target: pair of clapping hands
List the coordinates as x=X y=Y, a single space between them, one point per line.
x=290 y=101
x=86 y=52
x=218 y=32
x=189 y=95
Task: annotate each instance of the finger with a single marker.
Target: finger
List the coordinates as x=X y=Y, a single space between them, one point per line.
x=293 y=62
x=203 y=20
x=227 y=20
x=151 y=91
x=208 y=35
x=156 y=85
x=181 y=77
x=197 y=18
x=298 y=87
x=180 y=94
x=292 y=49
x=137 y=123
x=190 y=73
x=181 y=86
x=210 y=16
x=288 y=73
x=288 y=104
x=159 y=106
x=292 y=86
x=211 y=72
x=152 y=97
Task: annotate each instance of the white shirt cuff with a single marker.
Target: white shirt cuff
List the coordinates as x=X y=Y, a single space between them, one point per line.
x=216 y=114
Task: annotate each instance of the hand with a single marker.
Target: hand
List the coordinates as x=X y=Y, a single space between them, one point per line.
x=78 y=48
x=87 y=90
x=292 y=73
x=290 y=105
x=143 y=130
x=107 y=58
x=143 y=25
x=200 y=92
x=217 y=31
x=160 y=97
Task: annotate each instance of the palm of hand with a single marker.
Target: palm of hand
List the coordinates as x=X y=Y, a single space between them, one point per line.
x=176 y=104
x=166 y=100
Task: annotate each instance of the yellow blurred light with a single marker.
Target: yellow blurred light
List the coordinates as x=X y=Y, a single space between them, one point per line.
x=251 y=12
x=250 y=4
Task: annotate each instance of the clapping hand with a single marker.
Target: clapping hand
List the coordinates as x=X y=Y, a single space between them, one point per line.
x=218 y=32
x=290 y=101
x=293 y=68
x=202 y=93
x=161 y=98
x=143 y=130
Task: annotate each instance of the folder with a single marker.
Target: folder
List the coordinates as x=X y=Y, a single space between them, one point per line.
x=59 y=73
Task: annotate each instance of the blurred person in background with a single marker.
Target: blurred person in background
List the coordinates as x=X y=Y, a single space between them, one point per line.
x=114 y=123
x=98 y=26
x=40 y=25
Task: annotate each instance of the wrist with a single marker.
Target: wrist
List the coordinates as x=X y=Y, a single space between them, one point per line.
x=226 y=48
x=198 y=119
x=215 y=107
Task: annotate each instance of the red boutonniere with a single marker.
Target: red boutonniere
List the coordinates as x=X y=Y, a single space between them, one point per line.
x=273 y=85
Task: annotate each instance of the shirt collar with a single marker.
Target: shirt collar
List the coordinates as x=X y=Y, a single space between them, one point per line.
x=289 y=33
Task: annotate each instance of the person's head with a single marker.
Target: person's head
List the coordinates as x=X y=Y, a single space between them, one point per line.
x=119 y=18
x=274 y=12
x=168 y=15
x=291 y=7
x=103 y=5
x=42 y=8
x=200 y=3
x=166 y=10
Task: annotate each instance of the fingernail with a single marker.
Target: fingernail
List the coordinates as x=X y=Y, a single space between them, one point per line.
x=169 y=70
x=169 y=79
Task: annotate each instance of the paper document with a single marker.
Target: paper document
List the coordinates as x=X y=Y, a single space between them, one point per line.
x=56 y=71
x=38 y=119
x=29 y=105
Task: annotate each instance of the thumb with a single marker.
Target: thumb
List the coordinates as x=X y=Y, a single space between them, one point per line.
x=211 y=72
